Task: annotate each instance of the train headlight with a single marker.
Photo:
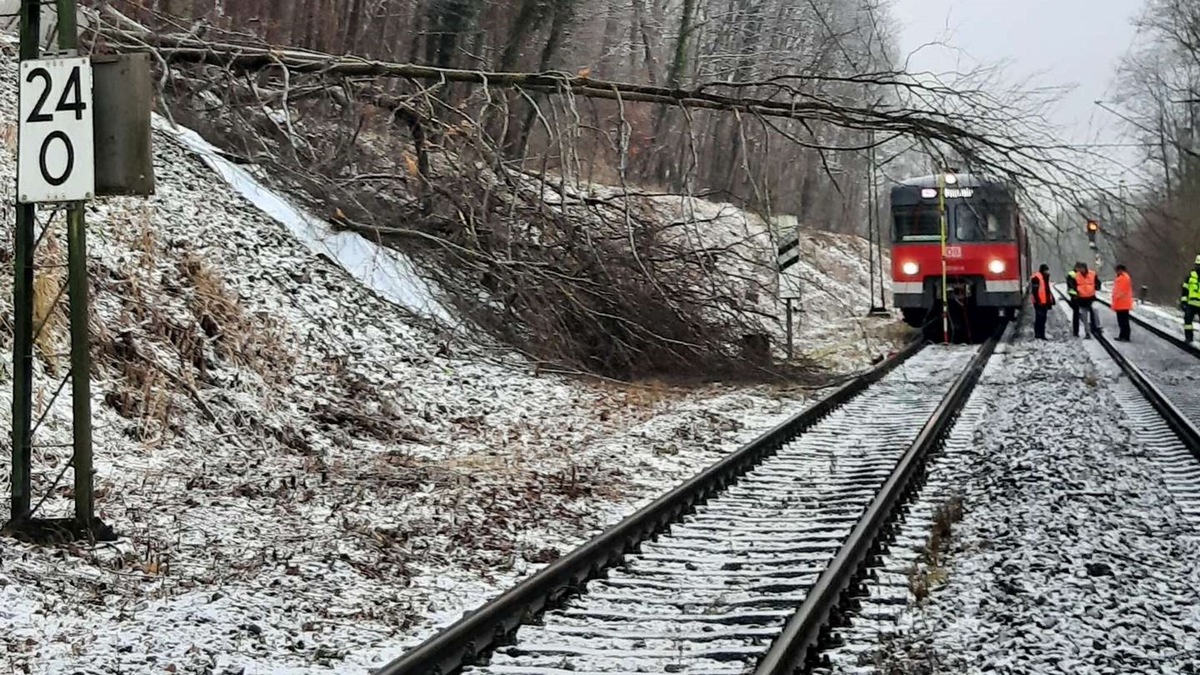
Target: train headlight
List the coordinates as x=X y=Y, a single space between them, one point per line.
x=910 y=268
x=996 y=267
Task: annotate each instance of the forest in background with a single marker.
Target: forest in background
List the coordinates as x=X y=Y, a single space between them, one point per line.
x=520 y=152
x=1156 y=225
x=786 y=167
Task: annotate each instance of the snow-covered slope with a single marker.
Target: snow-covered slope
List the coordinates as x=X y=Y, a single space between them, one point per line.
x=305 y=479
x=837 y=282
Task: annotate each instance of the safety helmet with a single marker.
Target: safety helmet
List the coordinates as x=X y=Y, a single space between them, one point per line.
x=1198 y=260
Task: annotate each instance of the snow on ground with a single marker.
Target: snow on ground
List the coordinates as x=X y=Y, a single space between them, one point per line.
x=385 y=271
x=838 y=286
x=1072 y=556
x=1169 y=319
x=305 y=480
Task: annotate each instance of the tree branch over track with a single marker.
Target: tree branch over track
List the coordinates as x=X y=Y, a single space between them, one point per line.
x=792 y=100
x=566 y=251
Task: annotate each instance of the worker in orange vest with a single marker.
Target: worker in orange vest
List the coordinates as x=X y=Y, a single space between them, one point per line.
x=1122 y=302
x=1043 y=300
x=1086 y=285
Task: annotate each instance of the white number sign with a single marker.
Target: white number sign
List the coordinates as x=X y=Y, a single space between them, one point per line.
x=55 y=155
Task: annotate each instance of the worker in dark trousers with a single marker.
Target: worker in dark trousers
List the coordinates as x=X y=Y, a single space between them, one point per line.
x=1122 y=302
x=1086 y=285
x=1190 y=301
x=1073 y=298
x=1043 y=300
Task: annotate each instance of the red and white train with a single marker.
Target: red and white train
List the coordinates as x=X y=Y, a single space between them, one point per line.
x=986 y=246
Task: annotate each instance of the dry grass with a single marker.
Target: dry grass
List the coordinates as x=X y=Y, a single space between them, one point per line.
x=929 y=572
x=219 y=314
x=49 y=306
x=8 y=135
x=178 y=321
x=647 y=393
x=896 y=330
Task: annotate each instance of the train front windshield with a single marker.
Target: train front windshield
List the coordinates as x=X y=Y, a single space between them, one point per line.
x=966 y=221
x=920 y=222
x=983 y=221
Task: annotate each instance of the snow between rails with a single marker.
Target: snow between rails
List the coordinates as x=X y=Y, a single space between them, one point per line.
x=1073 y=556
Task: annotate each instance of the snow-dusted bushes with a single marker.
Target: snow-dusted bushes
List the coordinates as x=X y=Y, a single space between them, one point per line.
x=572 y=274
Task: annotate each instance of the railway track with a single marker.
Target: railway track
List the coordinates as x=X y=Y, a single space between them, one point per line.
x=745 y=567
x=1165 y=377
x=1157 y=331
x=860 y=646
x=1164 y=401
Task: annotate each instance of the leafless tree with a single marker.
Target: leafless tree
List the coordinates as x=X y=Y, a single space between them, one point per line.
x=494 y=178
x=1160 y=100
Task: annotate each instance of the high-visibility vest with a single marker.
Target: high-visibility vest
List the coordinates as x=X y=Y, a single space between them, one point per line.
x=1042 y=297
x=1085 y=285
x=1122 y=293
x=1191 y=290
x=1071 y=290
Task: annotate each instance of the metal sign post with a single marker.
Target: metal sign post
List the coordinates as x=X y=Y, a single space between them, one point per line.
x=55 y=164
x=60 y=137
x=23 y=244
x=874 y=233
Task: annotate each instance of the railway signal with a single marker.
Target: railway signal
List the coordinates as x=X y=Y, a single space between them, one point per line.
x=1092 y=228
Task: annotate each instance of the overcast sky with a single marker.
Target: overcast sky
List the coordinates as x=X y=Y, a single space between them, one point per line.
x=1044 y=42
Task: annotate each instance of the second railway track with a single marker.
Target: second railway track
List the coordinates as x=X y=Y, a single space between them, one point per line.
x=1165 y=370
x=747 y=580
x=1162 y=398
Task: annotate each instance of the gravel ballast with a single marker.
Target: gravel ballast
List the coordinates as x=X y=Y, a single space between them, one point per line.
x=1072 y=556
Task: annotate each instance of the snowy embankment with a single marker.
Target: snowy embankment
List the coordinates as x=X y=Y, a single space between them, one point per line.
x=1072 y=556
x=831 y=323
x=305 y=479
x=840 y=279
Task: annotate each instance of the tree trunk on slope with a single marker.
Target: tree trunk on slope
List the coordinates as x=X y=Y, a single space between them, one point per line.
x=564 y=13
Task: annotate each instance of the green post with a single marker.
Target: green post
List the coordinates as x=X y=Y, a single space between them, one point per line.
x=77 y=287
x=68 y=25
x=81 y=364
x=22 y=407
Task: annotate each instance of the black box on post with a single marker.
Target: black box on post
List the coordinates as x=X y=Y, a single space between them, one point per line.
x=123 y=95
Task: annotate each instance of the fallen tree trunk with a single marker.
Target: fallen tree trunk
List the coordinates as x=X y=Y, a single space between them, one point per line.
x=122 y=34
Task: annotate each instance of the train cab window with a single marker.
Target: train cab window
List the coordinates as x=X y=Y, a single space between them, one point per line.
x=983 y=222
x=921 y=222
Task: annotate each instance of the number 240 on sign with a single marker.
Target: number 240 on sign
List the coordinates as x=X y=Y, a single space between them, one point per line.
x=56 y=161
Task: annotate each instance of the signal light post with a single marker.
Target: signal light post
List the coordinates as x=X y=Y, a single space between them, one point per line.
x=1092 y=228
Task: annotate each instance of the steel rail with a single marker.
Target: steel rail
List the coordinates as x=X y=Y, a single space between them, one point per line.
x=795 y=648
x=1157 y=330
x=1187 y=432
x=463 y=642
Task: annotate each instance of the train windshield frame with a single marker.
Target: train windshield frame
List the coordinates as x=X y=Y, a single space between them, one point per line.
x=920 y=222
x=983 y=220
x=989 y=215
